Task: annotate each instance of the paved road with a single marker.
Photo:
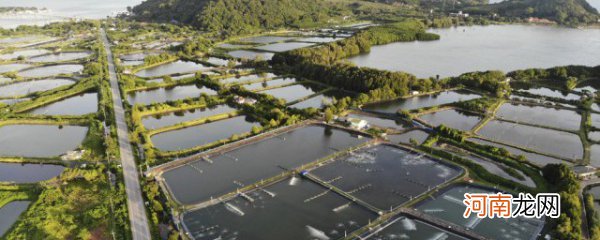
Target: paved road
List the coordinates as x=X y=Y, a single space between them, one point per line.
x=135 y=202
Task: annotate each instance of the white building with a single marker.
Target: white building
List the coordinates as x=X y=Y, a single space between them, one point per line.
x=357 y=123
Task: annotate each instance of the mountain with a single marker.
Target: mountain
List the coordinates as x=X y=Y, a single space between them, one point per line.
x=568 y=12
x=231 y=17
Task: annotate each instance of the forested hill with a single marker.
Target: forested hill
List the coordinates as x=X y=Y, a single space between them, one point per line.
x=568 y=12
x=232 y=17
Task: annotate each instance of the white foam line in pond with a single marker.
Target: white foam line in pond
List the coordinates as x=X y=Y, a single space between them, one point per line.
x=453 y=200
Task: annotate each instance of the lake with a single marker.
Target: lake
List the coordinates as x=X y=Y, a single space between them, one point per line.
x=171 y=68
x=412 y=103
x=28 y=173
x=163 y=120
x=253 y=162
x=167 y=94
x=76 y=105
x=17 y=139
x=494 y=47
x=202 y=134
x=58 y=9
x=24 y=88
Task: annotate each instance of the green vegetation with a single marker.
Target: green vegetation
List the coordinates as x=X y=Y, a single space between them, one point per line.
x=566 y=184
x=593 y=216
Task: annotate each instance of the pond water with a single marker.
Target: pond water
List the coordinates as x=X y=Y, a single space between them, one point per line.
x=17 y=139
x=283 y=47
x=24 y=88
x=247 y=54
x=551 y=117
x=372 y=175
x=318 y=39
x=52 y=70
x=171 y=68
x=24 y=53
x=10 y=213
x=290 y=93
x=595 y=119
x=5 y=80
x=381 y=121
x=594 y=136
x=450 y=207
x=269 y=83
x=131 y=63
x=266 y=39
x=246 y=78
x=496 y=168
x=202 y=134
x=13 y=67
x=230 y=46
x=543 y=140
x=422 y=101
x=418 y=135
x=405 y=227
x=452 y=118
x=280 y=216
x=220 y=62
x=59 y=57
x=167 y=94
x=12 y=101
x=534 y=158
x=253 y=162
x=595 y=191
x=77 y=105
x=28 y=173
x=134 y=56
x=547 y=92
x=595 y=156
x=163 y=120
x=494 y=47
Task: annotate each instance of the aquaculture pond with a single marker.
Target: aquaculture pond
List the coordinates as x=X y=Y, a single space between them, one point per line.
x=59 y=57
x=558 y=143
x=278 y=212
x=202 y=134
x=172 y=118
x=179 y=66
x=269 y=83
x=540 y=160
x=496 y=168
x=51 y=70
x=480 y=48
x=76 y=105
x=318 y=39
x=16 y=140
x=548 y=92
x=290 y=93
x=386 y=176
x=422 y=101
x=9 y=214
x=405 y=227
x=28 y=173
x=246 y=78
x=247 y=54
x=12 y=101
x=381 y=121
x=201 y=180
x=595 y=156
x=595 y=191
x=452 y=118
x=167 y=94
x=23 y=53
x=266 y=39
x=595 y=119
x=551 y=117
x=417 y=135
x=134 y=56
x=283 y=47
x=27 y=87
x=13 y=67
x=449 y=206
x=594 y=136
x=220 y=62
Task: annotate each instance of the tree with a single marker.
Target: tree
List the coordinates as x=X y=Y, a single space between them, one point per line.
x=328 y=115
